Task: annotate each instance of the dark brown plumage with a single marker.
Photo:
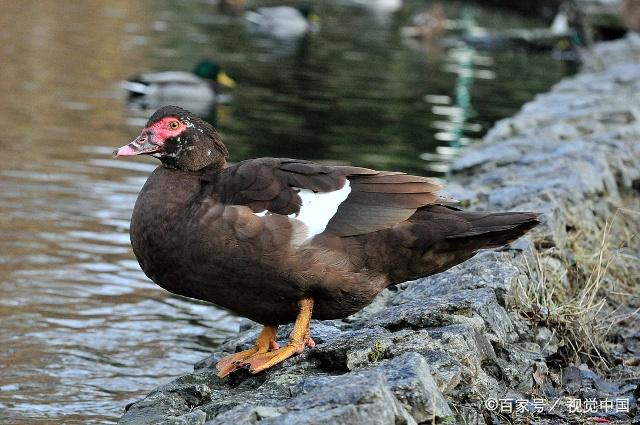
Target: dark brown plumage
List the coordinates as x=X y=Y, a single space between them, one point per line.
x=230 y=234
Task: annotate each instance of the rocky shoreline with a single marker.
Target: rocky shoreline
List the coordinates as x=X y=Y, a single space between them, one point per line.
x=435 y=350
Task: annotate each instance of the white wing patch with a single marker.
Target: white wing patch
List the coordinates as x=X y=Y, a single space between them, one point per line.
x=318 y=208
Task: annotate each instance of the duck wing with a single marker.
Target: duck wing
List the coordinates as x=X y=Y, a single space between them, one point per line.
x=337 y=200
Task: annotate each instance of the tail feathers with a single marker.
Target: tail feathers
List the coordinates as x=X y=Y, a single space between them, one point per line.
x=496 y=229
x=438 y=237
x=135 y=87
x=253 y=17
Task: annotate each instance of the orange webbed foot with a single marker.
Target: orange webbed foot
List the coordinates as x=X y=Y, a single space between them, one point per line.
x=259 y=362
x=267 y=353
x=230 y=363
x=266 y=341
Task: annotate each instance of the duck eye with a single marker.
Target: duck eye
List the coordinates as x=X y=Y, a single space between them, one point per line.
x=173 y=125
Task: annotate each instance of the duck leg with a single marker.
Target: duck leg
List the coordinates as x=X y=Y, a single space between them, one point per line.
x=298 y=339
x=266 y=341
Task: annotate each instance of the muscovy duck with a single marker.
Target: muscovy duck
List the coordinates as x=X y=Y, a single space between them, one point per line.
x=281 y=240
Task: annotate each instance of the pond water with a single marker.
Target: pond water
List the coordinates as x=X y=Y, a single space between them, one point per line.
x=82 y=330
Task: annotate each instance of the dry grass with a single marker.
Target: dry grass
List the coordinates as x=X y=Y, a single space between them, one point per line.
x=585 y=283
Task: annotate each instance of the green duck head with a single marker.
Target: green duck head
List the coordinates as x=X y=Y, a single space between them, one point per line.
x=308 y=12
x=210 y=70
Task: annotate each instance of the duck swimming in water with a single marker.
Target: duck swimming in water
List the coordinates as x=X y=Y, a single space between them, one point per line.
x=197 y=90
x=282 y=22
x=377 y=7
x=281 y=240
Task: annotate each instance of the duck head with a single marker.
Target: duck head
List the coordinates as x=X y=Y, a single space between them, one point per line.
x=179 y=139
x=210 y=70
x=308 y=13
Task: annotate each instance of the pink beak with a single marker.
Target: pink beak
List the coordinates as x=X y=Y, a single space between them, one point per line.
x=143 y=144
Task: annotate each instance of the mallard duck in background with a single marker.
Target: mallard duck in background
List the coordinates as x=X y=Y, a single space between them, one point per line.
x=558 y=38
x=197 y=90
x=283 y=22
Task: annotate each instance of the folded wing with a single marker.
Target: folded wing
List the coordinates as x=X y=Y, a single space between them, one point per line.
x=350 y=200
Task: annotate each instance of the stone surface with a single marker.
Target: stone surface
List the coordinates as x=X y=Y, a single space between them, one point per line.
x=440 y=346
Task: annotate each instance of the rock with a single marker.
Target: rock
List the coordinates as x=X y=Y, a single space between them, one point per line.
x=477 y=307
x=411 y=382
x=487 y=269
x=353 y=349
x=547 y=341
x=458 y=355
x=247 y=415
x=155 y=408
x=516 y=363
x=197 y=417
x=347 y=399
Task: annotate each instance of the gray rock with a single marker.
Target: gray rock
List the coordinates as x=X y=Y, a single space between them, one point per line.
x=516 y=365
x=353 y=350
x=197 y=417
x=411 y=382
x=456 y=355
x=155 y=408
x=476 y=307
x=362 y=397
x=494 y=154
x=446 y=368
x=489 y=269
x=247 y=415
x=547 y=341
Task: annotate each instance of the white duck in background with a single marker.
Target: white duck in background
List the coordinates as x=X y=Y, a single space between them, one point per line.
x=283 y=22
x=197 y=90
x=378 y=7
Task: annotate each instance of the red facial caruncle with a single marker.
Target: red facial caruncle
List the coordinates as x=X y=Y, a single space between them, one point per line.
x=153 y=137
x=165 y=128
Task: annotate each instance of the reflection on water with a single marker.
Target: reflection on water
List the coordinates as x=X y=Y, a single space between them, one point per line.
x=83 y=332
